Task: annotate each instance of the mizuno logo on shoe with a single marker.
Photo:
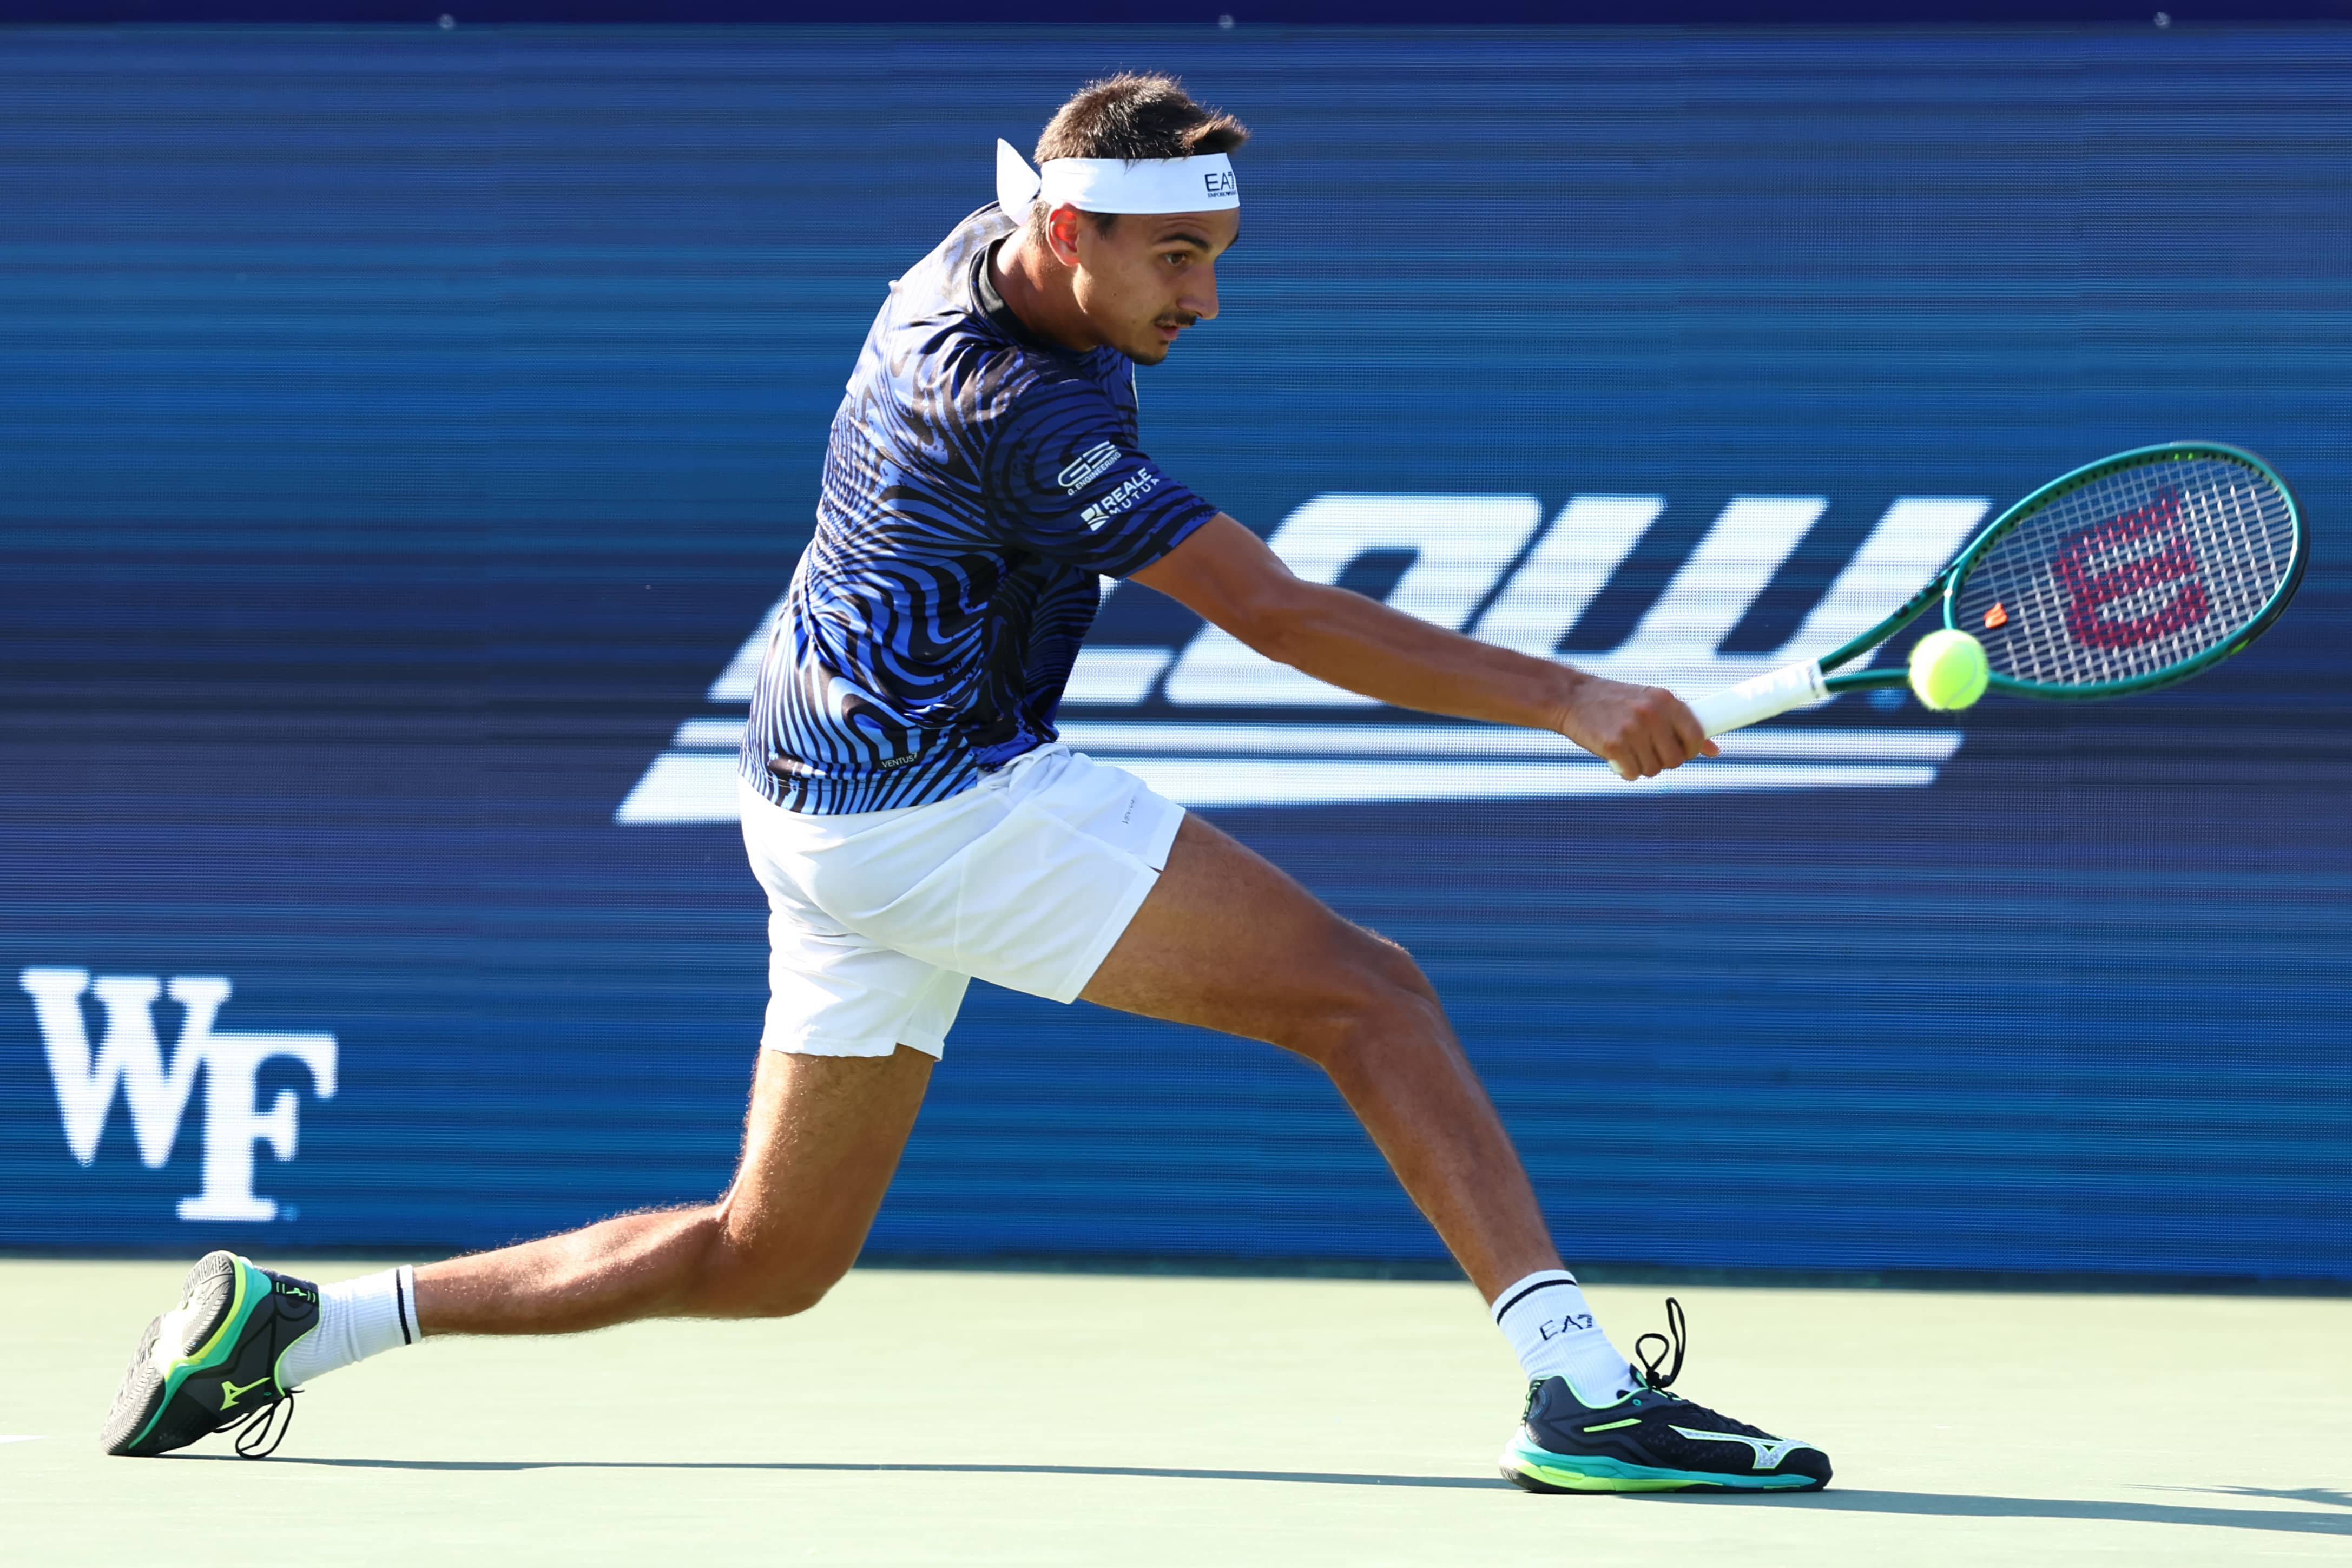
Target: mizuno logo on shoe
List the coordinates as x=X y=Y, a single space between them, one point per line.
x=231 y=1393
x=1769 y=1451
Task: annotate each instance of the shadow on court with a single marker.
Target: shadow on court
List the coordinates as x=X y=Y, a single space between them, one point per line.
x=2297 y=1494
x=1836 y=1501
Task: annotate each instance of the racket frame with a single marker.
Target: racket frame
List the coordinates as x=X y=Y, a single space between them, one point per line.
x=1946 y=586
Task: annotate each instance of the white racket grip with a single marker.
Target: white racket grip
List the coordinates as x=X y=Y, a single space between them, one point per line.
x=1753 y=701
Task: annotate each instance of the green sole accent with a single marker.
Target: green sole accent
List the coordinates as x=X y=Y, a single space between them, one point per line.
x=207 y=1354
x=1572 y=1481
x=234 y=1319
x=1596 y=1474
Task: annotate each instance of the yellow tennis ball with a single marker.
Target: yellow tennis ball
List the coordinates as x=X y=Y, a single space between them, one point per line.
x=1948 y=670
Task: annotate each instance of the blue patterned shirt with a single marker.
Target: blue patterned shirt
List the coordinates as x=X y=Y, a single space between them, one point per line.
x=979 y=484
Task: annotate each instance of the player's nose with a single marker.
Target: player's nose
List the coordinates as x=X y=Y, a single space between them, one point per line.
x=1199 y=295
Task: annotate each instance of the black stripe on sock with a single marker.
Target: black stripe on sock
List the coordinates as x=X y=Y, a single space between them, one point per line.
x=1539 y=1285
x=400 y=1299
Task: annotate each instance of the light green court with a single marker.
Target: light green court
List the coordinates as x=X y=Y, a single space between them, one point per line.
x=1037 y=1419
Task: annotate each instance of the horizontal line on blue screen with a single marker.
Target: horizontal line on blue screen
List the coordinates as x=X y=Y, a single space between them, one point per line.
x=1213 y=765
x=1212 y=15
x=1475 y=743
x=1235 y=782
x=1456 y=742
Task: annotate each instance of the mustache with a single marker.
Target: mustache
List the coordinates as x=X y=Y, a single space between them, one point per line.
x=1178 y=320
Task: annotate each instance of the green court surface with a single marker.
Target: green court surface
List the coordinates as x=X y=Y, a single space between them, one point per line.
x=923 y=1417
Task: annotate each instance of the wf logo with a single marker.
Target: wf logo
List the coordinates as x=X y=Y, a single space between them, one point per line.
x=130 y=1056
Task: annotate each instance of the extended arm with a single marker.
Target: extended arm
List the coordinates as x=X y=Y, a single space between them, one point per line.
x=1225 y=574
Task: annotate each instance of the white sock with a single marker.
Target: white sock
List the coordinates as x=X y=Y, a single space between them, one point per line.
x=1553 y=1332
x=357 y=1318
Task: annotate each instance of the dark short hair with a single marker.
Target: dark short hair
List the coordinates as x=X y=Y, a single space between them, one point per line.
x=1135 y=114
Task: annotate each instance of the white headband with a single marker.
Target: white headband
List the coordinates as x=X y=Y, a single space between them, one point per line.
x=1204 y=184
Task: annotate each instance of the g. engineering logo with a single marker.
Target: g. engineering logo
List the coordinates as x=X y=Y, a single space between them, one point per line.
x=1488 y=565
x=130 y=1058
x=1089 y=467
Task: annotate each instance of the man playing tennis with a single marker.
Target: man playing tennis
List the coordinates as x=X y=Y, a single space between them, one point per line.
x=915 y=822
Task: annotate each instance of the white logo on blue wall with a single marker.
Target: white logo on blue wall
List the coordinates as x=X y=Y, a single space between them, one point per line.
x=129 y=1058
x=1494 y=567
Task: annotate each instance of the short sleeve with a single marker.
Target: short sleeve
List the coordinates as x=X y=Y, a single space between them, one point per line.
x=1067 y=481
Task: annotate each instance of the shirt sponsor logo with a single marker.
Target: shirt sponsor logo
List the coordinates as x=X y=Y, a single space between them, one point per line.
x=129 y=1060
x=1089 y=467
x=1121 y=499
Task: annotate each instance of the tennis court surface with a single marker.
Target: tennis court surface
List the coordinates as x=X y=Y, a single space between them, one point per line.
x=921 y=1418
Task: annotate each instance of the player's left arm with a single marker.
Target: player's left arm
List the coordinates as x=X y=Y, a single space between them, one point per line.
x=1225 y=574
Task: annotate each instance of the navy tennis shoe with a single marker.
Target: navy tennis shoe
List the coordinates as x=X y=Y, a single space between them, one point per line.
x=1648 y=1440
x=210 y=1362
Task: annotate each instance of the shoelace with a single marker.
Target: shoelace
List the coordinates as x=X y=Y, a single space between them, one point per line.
x=1678 y=1343
x=256 y=1431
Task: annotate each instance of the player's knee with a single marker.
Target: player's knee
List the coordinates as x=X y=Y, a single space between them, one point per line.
x=786 y=1296
x=1378 y=1000
x=787 y=1290
x=766 y=1275
x=1401 y=977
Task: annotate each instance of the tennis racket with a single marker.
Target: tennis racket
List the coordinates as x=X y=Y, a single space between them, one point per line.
x=2131 y=573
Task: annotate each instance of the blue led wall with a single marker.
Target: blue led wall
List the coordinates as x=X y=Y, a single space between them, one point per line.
x=402 y=432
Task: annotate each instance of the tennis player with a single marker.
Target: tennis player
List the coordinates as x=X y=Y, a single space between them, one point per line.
x=914 y=821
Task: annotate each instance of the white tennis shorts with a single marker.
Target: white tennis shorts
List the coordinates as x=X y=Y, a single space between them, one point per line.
x=878 y=918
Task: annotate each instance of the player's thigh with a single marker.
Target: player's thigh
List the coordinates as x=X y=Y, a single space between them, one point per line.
x=821 y=1142
x=1227 y=941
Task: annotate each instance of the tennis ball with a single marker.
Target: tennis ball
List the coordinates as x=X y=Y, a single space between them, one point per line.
x=1948 y=670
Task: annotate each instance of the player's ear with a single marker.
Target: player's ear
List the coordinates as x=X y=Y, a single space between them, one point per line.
x=1062 y=235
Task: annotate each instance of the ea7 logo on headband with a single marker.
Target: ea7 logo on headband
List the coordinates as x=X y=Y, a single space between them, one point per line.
x=1089 y=467
x=1220 y=185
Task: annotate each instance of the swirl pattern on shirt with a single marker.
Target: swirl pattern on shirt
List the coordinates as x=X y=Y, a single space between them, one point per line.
x=978 y=485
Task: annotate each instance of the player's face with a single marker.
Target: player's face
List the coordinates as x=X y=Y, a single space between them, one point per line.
x=1152 y=276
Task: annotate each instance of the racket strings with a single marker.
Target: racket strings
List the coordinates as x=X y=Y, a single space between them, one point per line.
x=2133 y=574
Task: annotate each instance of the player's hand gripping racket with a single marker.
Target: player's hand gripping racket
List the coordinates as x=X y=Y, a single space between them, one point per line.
x=2133 y=573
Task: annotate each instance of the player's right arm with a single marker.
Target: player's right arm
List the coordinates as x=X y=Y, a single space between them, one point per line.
x=1227 y=576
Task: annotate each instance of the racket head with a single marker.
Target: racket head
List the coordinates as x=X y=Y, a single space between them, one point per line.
x=2131 y=573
